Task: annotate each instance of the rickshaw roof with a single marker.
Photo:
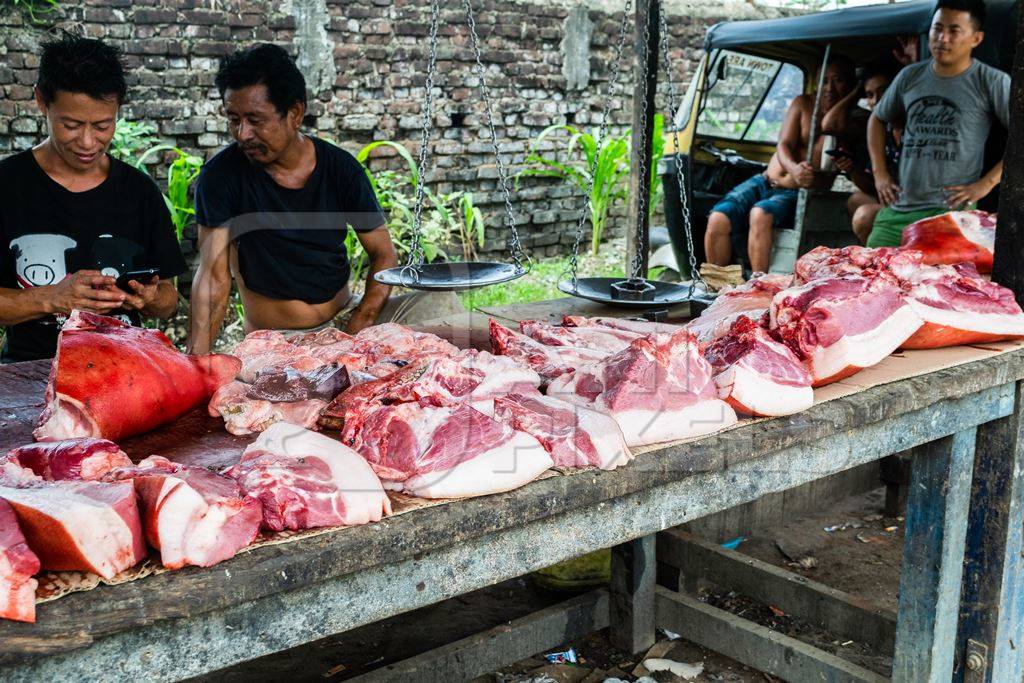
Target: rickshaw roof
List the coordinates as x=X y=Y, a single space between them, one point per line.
x=796 y=38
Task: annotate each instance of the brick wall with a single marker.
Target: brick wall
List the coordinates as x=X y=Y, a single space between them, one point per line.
x=365 y=63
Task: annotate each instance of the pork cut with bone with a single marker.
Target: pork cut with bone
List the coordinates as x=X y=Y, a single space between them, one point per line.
x=304 y=480
x=70 y=459
x=111 y=380
x=192 y=515
x=547 y=361
x=749 y=300
x=756 y=374
x=658 y=389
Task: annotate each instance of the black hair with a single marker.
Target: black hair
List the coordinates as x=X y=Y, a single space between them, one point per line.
x=846 y=68
x=268 y=65
x=885 y=67
x=976 y=8
x=74 y=63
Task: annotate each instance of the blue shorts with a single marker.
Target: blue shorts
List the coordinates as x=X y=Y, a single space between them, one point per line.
x=755 y=192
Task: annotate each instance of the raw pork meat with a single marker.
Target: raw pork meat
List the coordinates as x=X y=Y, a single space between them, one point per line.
x=80 y=525
x=269 y=350
x=192 y=515
x=954 y=237
x=574 y=436
x=749 y=300
x=245 y=415
x=841 y=325
x=70 y=459
x=471 y=376
x=757 y=375
x=606 y=339
x=304 y=480
x=548 y=361
x=111 y=380
x=823 y=262
x=17 y=565
x=658 y=389
x=640 y=327
x=391 y=340
x=452 y=452
x=959 y=307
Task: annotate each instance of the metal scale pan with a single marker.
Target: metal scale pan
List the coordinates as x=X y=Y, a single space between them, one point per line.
x=455 y=276
x=662 y=294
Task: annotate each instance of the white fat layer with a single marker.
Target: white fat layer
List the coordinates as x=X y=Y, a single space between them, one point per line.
x=98 y=532
x=606 y=436
x=761 y=396
x=867 y=349
x=361 y=490
x=514 y=463
x=646 y=427
x=987 y=323
x=970 y=226
x=68 y=420
x=179 y=507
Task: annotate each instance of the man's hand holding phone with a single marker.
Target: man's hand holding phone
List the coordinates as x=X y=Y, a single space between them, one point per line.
x=140 y=287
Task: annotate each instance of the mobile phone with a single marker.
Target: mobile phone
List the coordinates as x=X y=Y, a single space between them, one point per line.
x=838 y=153
x=142 y=276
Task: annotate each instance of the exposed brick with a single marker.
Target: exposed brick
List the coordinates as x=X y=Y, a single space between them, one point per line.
x=154 y=15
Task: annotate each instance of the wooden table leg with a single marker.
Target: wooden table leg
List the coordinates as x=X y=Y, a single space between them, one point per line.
x=991 y=640
x=631 y=604
x=933 y=556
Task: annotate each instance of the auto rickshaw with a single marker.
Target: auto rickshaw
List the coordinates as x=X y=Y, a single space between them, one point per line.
x=750 y=71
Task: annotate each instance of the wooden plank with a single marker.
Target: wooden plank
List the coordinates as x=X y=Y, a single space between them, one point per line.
x=933 y=558
x=503 y=645
x=830 y=437
x=992 y=604
x=645 y=80
x=631 y=607
x=753 y=644
x=843 y=614
x=1008 y=267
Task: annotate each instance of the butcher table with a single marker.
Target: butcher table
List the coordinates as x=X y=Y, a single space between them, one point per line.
x=960 y=589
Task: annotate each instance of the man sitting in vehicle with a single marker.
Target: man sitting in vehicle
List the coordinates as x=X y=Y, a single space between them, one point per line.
x=80 y=229
x=946 y=105
x=742 y=222
x=848 y=122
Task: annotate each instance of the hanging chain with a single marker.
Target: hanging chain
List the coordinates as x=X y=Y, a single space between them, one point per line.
x=416 y=256
x=514 y=245
x=602 y=125
x=644 y=184
x=695 y=275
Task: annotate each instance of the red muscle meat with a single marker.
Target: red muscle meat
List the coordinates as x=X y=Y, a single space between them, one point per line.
x=657 y=389
x=70 y=459
x=757 y=375
x=191 y=515
x=639 y=327
x=17 y=565
x=841 y=325
x=111 y=380
x=450 y=452
x=823 y=262
x=547 y=361
x=607 y=339
x=574 y=436
x=304 y=480
x=80 y=525
x=954 y=237
x=749 y=300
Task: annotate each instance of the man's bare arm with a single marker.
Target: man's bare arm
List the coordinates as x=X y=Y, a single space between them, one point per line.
x=211 y=288
x=381 y=252
x=87 y=289
x=836 y=120
x=961 y=195
x=885 y=187
x=790 y=139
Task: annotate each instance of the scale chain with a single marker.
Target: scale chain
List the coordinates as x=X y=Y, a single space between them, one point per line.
x=602 y=126
x=416 y=255
x=695 y=275
x=514 y=245
x=644 y=184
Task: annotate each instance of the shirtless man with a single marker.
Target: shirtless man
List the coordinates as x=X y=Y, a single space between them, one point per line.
x=274 y=209
x=742 y=222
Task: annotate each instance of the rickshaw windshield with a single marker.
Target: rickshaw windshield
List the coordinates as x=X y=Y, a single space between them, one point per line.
x=747 y=97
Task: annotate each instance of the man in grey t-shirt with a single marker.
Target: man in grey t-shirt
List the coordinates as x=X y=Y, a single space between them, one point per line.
x=946 y=106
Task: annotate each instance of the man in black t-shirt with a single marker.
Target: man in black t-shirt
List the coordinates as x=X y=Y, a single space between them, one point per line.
x=274 y=208
x=72 y=219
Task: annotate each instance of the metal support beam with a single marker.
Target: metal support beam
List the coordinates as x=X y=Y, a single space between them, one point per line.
x=991 y=638
x=637 y=220
x=933 y=558
x=631 y=608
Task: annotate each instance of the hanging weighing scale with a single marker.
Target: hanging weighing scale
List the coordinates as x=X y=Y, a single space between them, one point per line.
x=455 y=275
x=636 y=291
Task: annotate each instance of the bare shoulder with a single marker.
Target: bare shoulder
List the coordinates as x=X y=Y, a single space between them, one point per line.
x=802 y=103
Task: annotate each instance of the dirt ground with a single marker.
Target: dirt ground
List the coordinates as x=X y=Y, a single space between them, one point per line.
x=859 y=553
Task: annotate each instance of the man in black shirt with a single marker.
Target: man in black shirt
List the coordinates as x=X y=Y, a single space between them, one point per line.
x=72 y=219
x=274 y=209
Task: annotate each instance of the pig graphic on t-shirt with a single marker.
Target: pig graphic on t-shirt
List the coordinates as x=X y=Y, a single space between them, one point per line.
x=40 y=258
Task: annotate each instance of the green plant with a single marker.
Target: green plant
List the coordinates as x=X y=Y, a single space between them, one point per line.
x=181 y=176
x=470 y=225
x=134 y=143
x=35 y=8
